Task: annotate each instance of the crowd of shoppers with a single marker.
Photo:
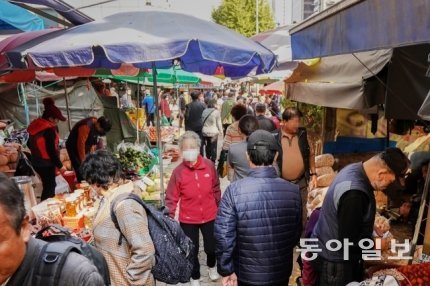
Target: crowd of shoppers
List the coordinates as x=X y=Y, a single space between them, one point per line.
x=249 y=233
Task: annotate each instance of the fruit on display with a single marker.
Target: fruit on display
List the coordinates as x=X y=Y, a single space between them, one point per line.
x=417 y=274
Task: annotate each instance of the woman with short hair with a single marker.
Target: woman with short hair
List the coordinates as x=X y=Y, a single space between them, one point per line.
x=194 y=184
x=131 y=261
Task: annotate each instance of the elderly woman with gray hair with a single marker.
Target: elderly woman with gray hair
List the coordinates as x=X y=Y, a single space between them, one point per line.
x=195 y=185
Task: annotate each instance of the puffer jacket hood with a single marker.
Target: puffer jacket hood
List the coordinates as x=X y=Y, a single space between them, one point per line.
x=257 y=227
x=38 y=125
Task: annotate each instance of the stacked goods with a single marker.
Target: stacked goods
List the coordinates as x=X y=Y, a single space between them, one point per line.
x=324 y=170
x=315 y=199
x=64 y=158
x=9 y=156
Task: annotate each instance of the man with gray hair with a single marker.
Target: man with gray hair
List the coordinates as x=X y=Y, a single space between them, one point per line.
x=19 y=251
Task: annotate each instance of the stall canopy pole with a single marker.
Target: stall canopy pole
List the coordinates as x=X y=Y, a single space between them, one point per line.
x=420 y=216
x=67 y=105
x=157 y=123
x=25 y=102
x=137 y=110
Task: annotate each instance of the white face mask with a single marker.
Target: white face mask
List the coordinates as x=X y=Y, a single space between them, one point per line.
x=190 y=155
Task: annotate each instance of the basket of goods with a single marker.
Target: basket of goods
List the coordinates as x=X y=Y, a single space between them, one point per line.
x=136 y=159
x=416 y=274
x=9 y=154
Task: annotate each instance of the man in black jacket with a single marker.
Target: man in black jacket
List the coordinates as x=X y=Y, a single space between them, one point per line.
x=264 y=122
x=258 y=222
x=193 y=115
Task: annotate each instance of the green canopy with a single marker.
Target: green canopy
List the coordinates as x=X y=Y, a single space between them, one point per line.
x=170 y=75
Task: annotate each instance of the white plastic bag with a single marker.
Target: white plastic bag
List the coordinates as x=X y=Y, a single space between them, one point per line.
x=62 y=185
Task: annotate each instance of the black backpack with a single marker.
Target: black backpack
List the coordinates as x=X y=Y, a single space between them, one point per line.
x=173 y=249
x=54 y=254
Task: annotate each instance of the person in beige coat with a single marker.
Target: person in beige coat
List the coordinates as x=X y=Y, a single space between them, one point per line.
x=131 y=262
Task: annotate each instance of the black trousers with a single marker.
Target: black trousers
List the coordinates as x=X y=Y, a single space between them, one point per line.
x=211 y=147
x=285 y=283
x=202 y=142
x=224 y=128
x=76 y=164
x=150 y=119
x=47 y=175
x=337 y=273
x=192 y=231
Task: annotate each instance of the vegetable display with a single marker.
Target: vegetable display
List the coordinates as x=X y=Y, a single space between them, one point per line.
x=134 y=160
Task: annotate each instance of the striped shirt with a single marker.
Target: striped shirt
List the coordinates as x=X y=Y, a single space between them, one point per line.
x=232 y=135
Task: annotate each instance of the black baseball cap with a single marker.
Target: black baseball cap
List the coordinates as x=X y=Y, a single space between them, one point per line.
x=397 y=161
x=262 y=139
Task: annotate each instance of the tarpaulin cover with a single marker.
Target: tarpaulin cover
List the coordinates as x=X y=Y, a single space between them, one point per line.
x=407 y=83
x=277 y=87
x=145 y=37
x=83 y=102
x=343 y=81
x=19 y=17
x=366 y=25
x=73 y=15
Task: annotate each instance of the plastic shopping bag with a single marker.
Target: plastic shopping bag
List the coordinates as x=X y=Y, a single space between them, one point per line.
x=62 y=185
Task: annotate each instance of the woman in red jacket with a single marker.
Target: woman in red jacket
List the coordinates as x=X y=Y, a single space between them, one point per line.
x=44 y=146
x=195 y=185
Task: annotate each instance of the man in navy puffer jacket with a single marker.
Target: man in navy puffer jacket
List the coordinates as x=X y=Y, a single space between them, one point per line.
x=258 y=222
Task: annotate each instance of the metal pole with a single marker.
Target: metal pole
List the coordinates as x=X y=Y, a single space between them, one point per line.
x=157 y=123
x=137 y=110
x=25 y=102
x=256 y=17
x=67 y=104
x=420 y=216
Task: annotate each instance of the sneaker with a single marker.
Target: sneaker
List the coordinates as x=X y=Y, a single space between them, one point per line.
x=213 y=274
x=195 y=282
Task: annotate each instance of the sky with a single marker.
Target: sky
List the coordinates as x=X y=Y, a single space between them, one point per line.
x=198 y=8
x=201 y=9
